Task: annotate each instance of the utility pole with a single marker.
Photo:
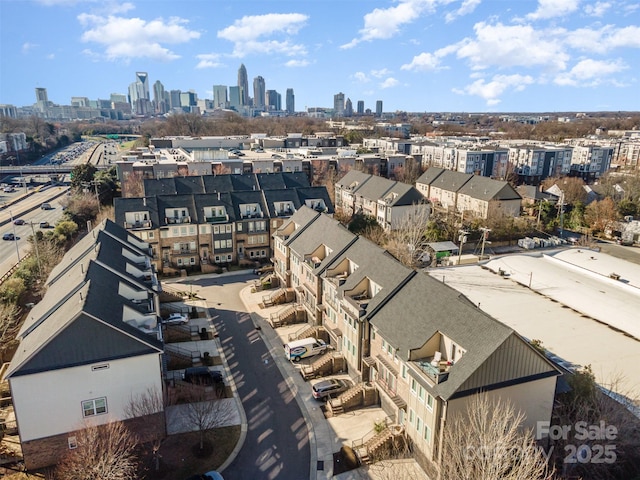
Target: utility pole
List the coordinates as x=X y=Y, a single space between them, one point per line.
x=462 y=239
x=35 y=245
x=485 y=233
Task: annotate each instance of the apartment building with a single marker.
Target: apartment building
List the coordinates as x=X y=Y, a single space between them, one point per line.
x=425 y=347
x=89 y=346
x=591 y=161
x=534 y=163
x=468 y=194
x=388 y=201
x=201 y=222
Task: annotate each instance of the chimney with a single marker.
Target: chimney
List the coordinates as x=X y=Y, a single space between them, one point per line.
x=144 y=201
x=218 y=196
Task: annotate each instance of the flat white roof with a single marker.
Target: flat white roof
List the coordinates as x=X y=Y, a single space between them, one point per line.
x=566 y=308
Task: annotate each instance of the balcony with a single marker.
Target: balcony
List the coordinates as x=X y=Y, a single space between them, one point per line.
x=358 y=304
x=285 y=212
x=184 y=251
x=437 y=373
x=251 y=215
x=313 y=262
x=137 y=225
x=217 y=219
x=177 y=220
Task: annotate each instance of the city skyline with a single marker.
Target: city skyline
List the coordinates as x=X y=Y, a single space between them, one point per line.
x=414 y=55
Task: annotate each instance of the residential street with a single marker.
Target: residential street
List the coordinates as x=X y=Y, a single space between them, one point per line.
x=276 y=445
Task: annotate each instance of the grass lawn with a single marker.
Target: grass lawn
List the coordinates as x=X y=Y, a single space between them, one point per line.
x=178 y=460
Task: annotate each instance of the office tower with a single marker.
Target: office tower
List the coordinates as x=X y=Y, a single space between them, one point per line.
x=291 y=101
x=243 y=85
x=379 y=108
x=234 y=98
x=348 y=108
x=118 y=98
x=258 y=92
x=41 y=95
x=159 y=105
x=139 y=94
x=274 y=100
x=174 y=99
x=338 y=104
x=188 y=100
x=80 y=102
x=360 y=107
x=220 y=98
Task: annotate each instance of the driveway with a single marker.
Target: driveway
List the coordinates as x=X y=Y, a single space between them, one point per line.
x=277 y=441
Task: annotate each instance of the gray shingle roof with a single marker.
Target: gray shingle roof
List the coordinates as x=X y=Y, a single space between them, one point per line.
x=430 y=175
x=483 y=188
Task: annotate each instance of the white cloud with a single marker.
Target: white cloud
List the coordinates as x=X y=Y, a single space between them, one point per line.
x=208 y=60
x=27 y=47
x=51 y=56
x=128 y=38
x=604 y=39
x=553 y=8
x=423 y=62
x=589 y=73
x=467 y=7
x=361 y=77
x=491 y=91
x=248 y=32
x=380 y=73
x=506 y=46
x=297 y=63
x=597 y=10
x=389 y=82
x=384 y=23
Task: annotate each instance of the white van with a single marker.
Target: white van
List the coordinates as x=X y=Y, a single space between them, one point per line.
x=307 y=347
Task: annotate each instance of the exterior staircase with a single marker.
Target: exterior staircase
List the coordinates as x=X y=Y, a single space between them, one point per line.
x=178 y=358
x=305 y=332
x=286 y=316
x=170 y=294
x=344 y=401
x=318 y=367
x=378 y=445
x=275 y=298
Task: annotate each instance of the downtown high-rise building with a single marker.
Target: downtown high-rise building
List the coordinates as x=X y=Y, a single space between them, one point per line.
x=139 y=97
x=259 y=92
x=290 y=102
x=348 y=108
x=378 y=108
x=234 y=98
x=41 y=96
x=220 y=98
x=243 y=85
x=160 y=105
x=360 y=109
x=174 y=99
x=274 y=100
x=338 y=104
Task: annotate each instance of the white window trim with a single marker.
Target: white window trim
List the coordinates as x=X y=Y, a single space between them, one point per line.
x=92 y=407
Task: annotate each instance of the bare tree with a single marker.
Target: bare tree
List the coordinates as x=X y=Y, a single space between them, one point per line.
x=600 y=215
x=205 y=411
x=141 y=406
x=486 y=443
x=9 y=327
x=101 y=452
x=405 y=239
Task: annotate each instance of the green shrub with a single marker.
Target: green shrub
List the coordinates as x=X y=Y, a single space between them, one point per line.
x=12 y=289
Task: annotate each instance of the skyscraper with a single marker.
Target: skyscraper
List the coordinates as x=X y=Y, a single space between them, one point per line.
x=159 y=105
x=348 y=108
x=274 y=100
x=139 y=94
x=41 y=95
x=174 y=99
x=234 y=98
x=360 y=107
x=379 y=108
x=338 y=104
x=291 y=102
x=258 y=92
x=243 y=85
x=220 y=98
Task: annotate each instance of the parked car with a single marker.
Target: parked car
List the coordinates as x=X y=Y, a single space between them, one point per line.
x=18 y=221
x=330 y=388
x=44 y=225
x=263 y=269
x=202 y=376
x=176 y=319
x=307 y=347
x=8 y=236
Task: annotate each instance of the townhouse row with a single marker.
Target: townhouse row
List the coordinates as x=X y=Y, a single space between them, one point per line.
x=89 y=346
x=204 y=222
x=425 y=347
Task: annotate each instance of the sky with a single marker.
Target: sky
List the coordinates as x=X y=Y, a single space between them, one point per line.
x=414 y=55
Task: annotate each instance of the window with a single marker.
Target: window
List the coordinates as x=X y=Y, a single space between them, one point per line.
x=72 y=442
x=427 y=433
x=414 y=385
x=412 y=416
x=419 y=424
x=421 y=393
x=97 y=406
x=239 y=227
x=429 y=402
x=404 y=372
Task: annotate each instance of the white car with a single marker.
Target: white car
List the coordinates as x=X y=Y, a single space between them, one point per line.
x=176 y=319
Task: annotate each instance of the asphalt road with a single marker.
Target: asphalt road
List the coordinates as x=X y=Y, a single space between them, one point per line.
x=276 y=446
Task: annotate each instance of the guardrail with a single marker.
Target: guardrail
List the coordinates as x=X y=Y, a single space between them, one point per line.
x=12 y=270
